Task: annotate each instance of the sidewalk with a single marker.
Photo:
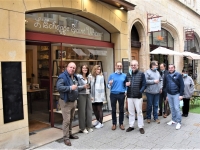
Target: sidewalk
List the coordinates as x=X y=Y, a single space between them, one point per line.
x=157 y=136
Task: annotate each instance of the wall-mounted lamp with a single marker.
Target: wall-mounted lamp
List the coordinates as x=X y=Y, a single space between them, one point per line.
x=121 y=8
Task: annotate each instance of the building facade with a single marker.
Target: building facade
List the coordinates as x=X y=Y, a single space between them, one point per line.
x=15 y=40
x=176 y=17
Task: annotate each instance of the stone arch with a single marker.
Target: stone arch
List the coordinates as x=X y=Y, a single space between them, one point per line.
x=177 y=60
x=143 y=39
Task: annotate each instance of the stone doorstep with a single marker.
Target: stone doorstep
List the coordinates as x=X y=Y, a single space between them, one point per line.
x=52 y=134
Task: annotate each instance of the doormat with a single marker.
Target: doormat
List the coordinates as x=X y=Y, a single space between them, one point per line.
x=35 y=125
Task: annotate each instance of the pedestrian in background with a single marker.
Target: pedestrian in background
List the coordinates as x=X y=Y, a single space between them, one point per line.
x=97 y=94
x=163 y=95
x=68 y=86
x=84 y=102
x=135 y=87
x=117 y=86
x=153 y=90
x=175 y=89
x=188 y=91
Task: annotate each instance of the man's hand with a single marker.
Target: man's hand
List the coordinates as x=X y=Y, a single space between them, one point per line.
x=128 y=83
x=111 y=82
x=74 y=87
x=156 y=81
x=166 y=98
x=180 y=98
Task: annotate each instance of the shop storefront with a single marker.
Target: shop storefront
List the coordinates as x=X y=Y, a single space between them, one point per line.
x=60 y=38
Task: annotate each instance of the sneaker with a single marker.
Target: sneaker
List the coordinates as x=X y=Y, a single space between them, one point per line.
x=84 y=131
x=171 y=122
x=157 y=121
x=95 y=123
x=90 y=130
x=178 y=126
x=99 y=125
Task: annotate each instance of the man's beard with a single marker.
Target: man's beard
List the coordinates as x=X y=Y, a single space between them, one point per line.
x=119 y=70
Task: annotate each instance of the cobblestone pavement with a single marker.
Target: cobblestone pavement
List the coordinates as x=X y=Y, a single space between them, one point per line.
x=157 y=136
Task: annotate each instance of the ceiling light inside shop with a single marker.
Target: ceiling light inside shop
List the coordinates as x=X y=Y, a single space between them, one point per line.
x=121 y=8
x=79 y=52
x=98 y=52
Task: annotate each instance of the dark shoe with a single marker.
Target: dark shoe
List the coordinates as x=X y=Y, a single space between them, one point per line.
x=164 y=116
x=113 y=127
x=148 y=121
x=141 y=130
x=129 y=129
x=186 y=115
x=73 y=137
x=159 y=114
x=122 y=127
x=67 y=142
x=183 y=115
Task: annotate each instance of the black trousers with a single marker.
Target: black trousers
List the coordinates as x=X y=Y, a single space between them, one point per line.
x=186 y=105
x=161 y=100
x=120 y=98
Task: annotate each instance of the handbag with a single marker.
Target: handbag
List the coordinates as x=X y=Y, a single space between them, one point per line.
x=167 y=108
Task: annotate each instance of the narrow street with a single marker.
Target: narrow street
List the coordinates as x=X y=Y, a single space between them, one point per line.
x=157 y=136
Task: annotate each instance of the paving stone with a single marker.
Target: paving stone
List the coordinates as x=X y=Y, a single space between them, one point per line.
x=156 y=137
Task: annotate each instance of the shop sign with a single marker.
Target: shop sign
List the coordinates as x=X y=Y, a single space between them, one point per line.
x=64 y=30
x=189 y=35
x=154 y=24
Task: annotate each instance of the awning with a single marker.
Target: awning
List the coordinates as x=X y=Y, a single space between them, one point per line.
x=190 y=55
x=164 y=51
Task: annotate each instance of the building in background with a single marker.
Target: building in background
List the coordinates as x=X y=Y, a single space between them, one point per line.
x=177 y=17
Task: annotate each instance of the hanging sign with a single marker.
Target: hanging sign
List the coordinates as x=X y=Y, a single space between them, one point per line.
x=153 y=23
x=189 y=35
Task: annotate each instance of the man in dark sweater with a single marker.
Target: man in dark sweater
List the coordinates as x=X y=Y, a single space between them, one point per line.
x=163 y=95
x=136 y=87
x=175 y=89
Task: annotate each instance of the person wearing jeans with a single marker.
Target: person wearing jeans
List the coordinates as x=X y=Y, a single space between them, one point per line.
x=117 y=84
x=136 y=85
x=153 y=90
x=175 y=89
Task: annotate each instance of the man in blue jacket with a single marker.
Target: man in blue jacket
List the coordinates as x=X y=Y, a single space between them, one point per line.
x=67 y=86
x=117 y=84
x=175 y=89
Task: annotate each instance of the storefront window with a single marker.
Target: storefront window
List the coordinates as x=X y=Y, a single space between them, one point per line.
x=192 y=45
x=65 y=24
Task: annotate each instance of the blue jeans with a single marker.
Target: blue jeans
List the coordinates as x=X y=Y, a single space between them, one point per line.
x=120 y=98
x=174 y=104
x=152 y=101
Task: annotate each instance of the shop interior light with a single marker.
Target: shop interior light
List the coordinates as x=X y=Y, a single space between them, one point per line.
x=121 y=8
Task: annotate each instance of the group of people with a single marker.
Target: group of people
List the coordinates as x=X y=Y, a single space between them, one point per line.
x=89 y=90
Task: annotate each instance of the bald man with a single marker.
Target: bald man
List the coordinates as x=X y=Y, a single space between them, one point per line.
x=136 y=87
x=67 y=86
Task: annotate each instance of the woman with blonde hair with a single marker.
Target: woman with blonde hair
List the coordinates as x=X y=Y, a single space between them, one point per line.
x=97 y=94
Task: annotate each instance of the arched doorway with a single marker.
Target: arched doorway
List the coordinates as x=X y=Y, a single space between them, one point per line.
x=164 y=39
x=135 y=44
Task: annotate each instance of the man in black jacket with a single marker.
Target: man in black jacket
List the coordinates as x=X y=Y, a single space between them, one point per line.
x=136 y=86
x=163 y=95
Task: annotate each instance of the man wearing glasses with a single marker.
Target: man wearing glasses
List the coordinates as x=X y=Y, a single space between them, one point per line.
x=136 y=85
x=117 y=86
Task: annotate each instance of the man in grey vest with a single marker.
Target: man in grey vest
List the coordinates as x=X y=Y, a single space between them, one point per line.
x=136 y=86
